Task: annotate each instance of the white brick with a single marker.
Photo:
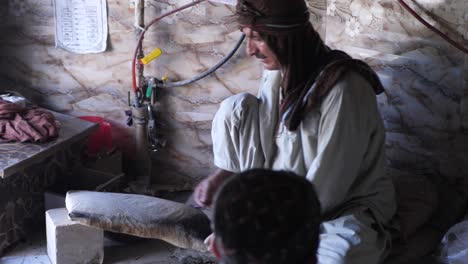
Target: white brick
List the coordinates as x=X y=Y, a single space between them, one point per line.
x=71 y=243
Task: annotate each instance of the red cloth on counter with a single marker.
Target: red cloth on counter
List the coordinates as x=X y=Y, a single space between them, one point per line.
x=19 y=124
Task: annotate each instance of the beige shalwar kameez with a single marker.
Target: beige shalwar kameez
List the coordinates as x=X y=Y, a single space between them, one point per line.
x=339 y=147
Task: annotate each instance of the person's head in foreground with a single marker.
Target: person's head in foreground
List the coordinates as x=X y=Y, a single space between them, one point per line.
x=266 y=217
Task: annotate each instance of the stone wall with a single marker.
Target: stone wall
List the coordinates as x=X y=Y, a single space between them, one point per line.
x=424 y=107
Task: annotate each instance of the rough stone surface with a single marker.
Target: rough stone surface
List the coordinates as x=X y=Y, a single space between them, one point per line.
x=69 y=242
x=140 y=215
x=187 y=256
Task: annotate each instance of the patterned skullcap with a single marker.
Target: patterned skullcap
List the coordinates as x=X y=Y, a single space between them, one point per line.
x=273 y=16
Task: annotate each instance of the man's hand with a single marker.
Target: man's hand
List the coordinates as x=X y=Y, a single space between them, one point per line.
x=205 y=190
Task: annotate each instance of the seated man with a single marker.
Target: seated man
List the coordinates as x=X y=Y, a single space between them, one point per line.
x=264 y=216
x=316 y=114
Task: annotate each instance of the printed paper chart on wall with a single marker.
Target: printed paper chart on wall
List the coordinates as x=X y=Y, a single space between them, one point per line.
x=81 y=25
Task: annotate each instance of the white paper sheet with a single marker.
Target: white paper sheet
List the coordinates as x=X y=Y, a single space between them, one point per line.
x=81 y=25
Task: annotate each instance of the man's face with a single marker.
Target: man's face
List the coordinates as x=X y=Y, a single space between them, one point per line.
x=257 y=47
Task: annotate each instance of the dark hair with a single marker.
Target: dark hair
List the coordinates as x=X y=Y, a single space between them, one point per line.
x=265 y=216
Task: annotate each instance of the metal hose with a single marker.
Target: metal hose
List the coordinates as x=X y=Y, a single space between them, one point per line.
x=207 y=72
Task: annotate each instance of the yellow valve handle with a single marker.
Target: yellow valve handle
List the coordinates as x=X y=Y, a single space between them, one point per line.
x=153 y=55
